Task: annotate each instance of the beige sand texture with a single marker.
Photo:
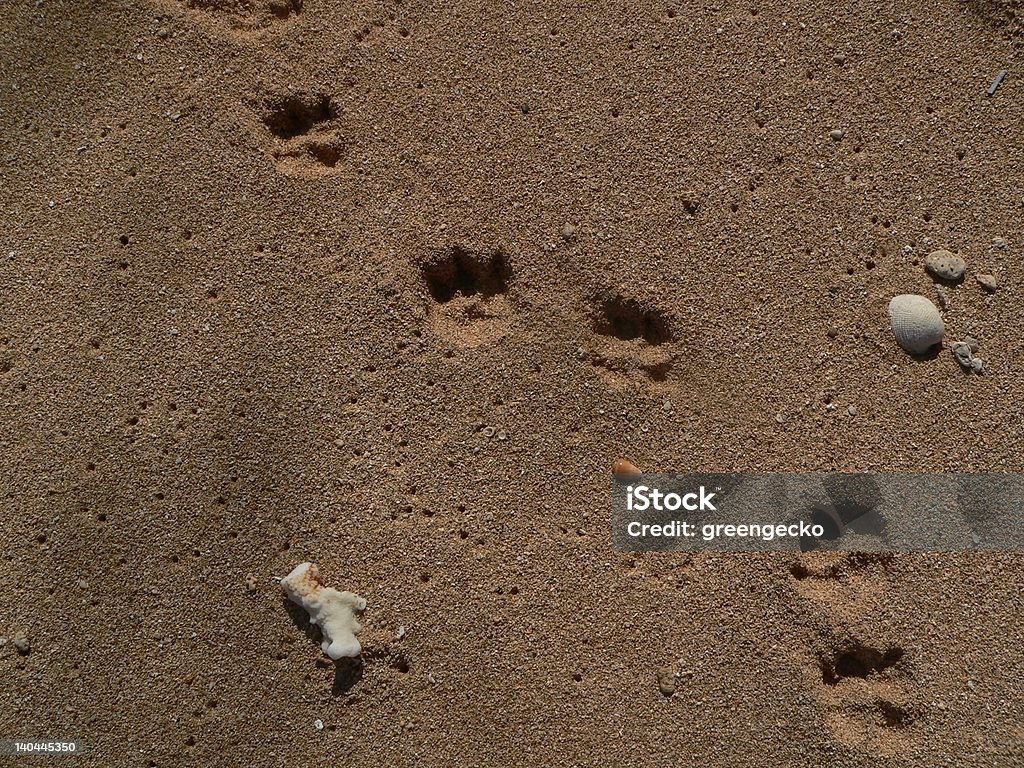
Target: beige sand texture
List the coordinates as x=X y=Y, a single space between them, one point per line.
x=286 y=282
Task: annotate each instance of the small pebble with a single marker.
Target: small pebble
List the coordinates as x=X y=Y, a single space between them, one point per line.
x=839 y=59
x=625 y=467
x=503 y=435
x=250 y=583
x=945 y=265
x=962 y=352
x=837 y=135
x=489 y=432
x=987 y=281
x=400 y=634
x=21 y=643
x=779 y=418
x=318 y=724
x=852 y=410
x=568 y=231
x=667 y=681
x=666 y=406
x=977 y=365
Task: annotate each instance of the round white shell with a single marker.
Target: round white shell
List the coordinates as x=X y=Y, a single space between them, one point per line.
x=916 y=323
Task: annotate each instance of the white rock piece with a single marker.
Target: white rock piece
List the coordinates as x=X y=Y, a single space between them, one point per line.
x=916 y=323
x=333 y=611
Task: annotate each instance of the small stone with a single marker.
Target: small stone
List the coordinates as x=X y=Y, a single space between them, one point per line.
x=502 y=435
x=998 y=242
x=852 y=410
x=977 y=365
x=625 y=467
x=837 y=135
x=400 y=635
x=250 y=583
x=666 y=406
x=489 y=432
x=667 y=680
x=779 y=418
x=962 y=352
x=318 y=724
x=945 y=265
x=972 y=342
x=987 y=281
x=568 y=231
x=839 y=59
x=524 y=108
x=21 y=643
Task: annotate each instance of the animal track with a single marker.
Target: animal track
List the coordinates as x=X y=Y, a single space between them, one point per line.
x=848 y=585
x=866 y=697
x=1006 y=15
x=248 y=14
x=468 y=290
x=865 y=689
x=629 y=335
x=305 y=132
x=858 y=661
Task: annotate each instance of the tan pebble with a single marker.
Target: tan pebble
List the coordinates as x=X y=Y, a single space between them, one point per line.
x=667 y=680
x=987 y=281
x=625 y=467
x=21 y=643
x=945 y=265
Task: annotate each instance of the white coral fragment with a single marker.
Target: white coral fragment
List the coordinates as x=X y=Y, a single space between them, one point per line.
x=333 y=611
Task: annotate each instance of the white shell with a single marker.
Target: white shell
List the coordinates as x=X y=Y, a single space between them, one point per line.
x=916 y=323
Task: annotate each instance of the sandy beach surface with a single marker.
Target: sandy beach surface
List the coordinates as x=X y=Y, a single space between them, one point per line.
x=388 y=286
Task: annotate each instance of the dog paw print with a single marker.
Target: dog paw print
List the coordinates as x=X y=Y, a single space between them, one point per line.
x=469 y=305
x=305 y=133
x=867 y=695
x=844 y=586
x=630 y=341
x=248 y=15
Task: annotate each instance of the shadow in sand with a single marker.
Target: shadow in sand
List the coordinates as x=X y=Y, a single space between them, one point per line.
x=301 y=620
x=347 y=672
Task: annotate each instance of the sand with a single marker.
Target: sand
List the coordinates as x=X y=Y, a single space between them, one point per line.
x=285 y=283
